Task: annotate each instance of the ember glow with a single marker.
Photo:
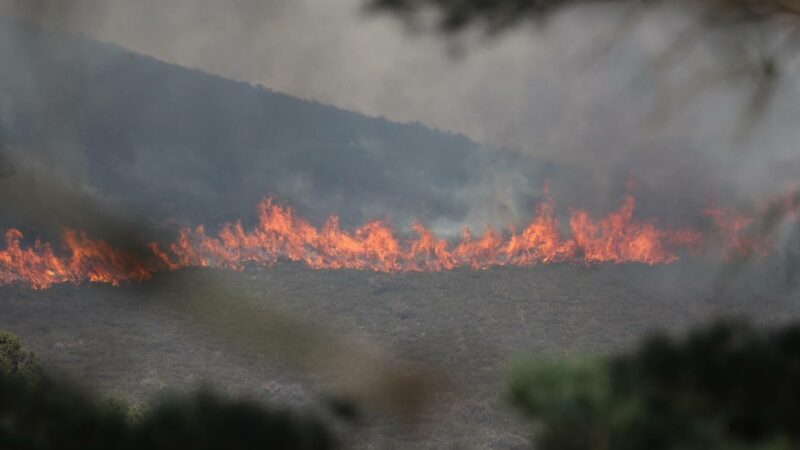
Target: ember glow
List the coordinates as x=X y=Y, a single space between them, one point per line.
x=733 y=227
x=281 y=234
x=737 y=229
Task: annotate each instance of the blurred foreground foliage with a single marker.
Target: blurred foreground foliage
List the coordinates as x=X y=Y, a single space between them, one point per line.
x=500 y=15
x=38 y=412
x=725 y=386
x=754 y=43
x=14 y=359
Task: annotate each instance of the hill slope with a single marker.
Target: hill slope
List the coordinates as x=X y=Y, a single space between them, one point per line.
x=185 y=144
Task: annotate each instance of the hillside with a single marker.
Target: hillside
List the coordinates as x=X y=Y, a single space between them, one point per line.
x=183 y=144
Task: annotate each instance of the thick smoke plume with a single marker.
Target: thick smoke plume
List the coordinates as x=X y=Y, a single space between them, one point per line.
x=610 y=109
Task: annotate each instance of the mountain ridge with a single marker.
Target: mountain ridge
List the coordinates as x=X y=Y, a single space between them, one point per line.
x=182 y=139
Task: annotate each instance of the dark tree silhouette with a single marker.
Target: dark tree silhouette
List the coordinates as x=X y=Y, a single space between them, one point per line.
x=39 y=412
x=500 y=15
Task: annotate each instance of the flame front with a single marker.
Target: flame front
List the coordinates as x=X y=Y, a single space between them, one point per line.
x=94 y=261
x=281 y=234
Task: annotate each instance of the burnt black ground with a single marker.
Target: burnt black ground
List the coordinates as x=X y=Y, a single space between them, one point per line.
x=136 y=341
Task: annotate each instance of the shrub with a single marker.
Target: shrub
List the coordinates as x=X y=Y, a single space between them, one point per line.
x=48 y=414
x=38 y=412
x=205 y=421
x=14 y=359
x=725 y=386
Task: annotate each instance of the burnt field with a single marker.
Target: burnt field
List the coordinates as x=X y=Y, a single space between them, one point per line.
x=137 y=341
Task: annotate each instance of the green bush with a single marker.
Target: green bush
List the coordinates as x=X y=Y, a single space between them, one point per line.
x=14 y=359
x=725 y=386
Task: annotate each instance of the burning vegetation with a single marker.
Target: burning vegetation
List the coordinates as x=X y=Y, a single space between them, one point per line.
x=282 y=234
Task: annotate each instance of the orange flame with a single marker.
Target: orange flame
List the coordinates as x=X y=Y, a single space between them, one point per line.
x=735 y=230
x=741 y=233
x=281 y=234
x=375 y=246
x=90 y=260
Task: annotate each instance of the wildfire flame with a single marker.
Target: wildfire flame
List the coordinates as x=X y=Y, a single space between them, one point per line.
x=734 y=227
x=745 y=237
x=281 y=234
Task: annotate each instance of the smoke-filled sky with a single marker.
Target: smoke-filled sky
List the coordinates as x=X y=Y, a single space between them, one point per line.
x=328 y=51
x=572 y=92
x=556 y=92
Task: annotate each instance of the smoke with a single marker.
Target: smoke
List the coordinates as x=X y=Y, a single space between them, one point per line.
x=55 y=176
x=609 y=101
x=578 y=92
x=777 y=222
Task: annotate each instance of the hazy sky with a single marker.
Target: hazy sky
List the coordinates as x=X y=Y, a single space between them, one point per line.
x=329 y=51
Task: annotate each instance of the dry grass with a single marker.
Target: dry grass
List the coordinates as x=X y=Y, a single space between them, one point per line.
x=139 y=340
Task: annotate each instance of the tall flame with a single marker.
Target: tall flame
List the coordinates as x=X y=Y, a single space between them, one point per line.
x=94 y=261
x=281 y=234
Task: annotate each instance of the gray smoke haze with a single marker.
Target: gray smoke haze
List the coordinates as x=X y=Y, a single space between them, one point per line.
x=531 y=90
x=57 y=82
x=577 y=93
